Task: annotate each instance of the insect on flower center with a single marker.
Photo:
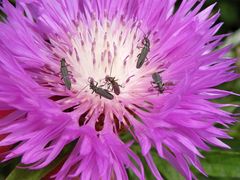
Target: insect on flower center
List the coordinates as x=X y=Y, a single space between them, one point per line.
x=105 y=74
x=105 y=52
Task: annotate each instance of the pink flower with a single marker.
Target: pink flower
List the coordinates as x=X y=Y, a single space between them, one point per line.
x=41 y=40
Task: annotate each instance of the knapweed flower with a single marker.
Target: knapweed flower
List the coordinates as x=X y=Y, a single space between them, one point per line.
x=161 y=65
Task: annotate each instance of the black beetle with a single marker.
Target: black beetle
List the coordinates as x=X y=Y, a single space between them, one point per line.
x=65 y=74
x=98 y=90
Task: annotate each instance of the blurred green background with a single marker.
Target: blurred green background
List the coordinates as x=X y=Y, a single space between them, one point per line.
x=219 y=164
x=230 y=14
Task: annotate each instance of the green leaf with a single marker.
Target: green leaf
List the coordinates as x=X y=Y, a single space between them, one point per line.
x=221 y=164
x=8 y=166
x=218 y=164
x=166 y=170
x=2 y=16
x=27 y=174
x=30 y=174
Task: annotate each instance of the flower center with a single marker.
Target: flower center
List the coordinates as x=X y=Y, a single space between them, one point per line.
x=105 y=49
x=101 y=67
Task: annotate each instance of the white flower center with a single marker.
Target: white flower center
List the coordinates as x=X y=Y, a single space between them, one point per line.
x=104 y=49
x=101 y=49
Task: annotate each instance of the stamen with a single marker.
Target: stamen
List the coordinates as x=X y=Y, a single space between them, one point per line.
x=106 y=49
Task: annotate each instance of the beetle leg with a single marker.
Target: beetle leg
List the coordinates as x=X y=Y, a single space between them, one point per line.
x=152 y=83
x=109 y=87
x=122 y=86
x=147 y=61
x=104 y=84
x=151 y=89
x=71 y=76
x=169 y=84
x=67 y=64
x=101 y=85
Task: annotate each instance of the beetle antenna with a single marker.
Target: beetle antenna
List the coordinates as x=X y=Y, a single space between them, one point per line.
x=115 y=52
x=148 y=33
x=89 y=80
x=83 y=88
x=142 y=31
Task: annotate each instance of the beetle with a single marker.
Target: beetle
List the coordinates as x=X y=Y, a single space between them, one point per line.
x=157 y=81
x=98 y=90
x=144 y=52
x=112 y=81
x=65 y=74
